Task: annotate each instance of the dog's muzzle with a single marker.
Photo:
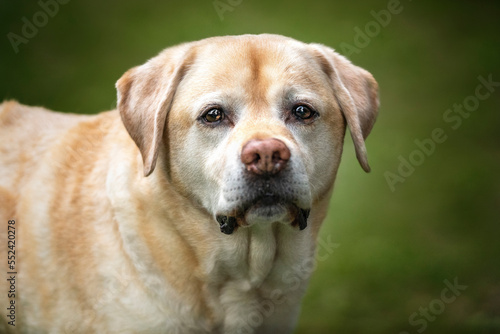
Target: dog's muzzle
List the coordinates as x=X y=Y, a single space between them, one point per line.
x=269 y=192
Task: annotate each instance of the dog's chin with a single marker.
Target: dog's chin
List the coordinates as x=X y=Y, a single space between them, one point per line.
x=269 y=210
x=265 y=210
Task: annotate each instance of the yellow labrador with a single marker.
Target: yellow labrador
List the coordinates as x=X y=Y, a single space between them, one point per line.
x=187 y=209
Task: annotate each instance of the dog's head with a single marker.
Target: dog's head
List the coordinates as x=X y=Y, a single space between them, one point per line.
x=251 y=127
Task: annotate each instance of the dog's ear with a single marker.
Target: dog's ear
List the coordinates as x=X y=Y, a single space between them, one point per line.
x=357 y=94
x=145 y=95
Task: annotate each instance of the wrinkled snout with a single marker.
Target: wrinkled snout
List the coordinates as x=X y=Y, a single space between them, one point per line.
x=265 y=156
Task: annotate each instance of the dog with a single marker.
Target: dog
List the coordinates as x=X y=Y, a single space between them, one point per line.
x=191 y=208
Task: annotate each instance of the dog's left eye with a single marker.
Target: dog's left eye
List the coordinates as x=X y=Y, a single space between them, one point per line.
x=213 y=116
x=303 y=112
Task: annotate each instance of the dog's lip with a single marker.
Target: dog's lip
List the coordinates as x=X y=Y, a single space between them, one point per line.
x=237 y=218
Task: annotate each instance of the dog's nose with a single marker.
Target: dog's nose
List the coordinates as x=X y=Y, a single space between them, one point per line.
x=265 y=156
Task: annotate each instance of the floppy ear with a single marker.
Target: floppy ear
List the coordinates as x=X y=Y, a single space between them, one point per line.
x=145 y=95
x=357 y=94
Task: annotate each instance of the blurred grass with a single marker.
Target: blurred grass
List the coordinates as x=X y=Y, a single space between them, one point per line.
x=396 y=248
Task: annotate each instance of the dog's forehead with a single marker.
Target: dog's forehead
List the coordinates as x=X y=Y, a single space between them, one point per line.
x=254 y=68
x=253 y=59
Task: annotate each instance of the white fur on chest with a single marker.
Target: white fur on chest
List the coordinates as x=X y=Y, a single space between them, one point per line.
x=249 y=277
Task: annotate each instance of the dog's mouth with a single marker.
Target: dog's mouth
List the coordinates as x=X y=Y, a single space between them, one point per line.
x=264 y=209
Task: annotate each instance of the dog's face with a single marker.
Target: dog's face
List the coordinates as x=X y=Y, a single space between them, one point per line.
x=252 y=126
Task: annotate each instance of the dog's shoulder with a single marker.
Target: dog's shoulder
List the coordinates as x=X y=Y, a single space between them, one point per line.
x=16 y=115
x=28 y=134
x=18 y=121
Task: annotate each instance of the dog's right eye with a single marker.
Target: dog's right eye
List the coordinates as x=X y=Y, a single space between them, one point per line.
x=213 y=116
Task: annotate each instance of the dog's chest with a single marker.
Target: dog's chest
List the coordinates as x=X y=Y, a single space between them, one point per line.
x=248 y=279
x=258 y=275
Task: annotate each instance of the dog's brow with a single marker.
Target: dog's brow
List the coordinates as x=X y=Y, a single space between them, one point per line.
x=217 y=97
x=291 y=94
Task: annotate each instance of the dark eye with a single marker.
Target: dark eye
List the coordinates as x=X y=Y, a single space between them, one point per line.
x=303 y=112
x=213 y=116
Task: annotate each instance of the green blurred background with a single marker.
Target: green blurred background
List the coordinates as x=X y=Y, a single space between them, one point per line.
x=395 y=247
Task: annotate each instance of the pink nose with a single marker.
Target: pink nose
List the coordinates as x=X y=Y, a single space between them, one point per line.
x=265 y=156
